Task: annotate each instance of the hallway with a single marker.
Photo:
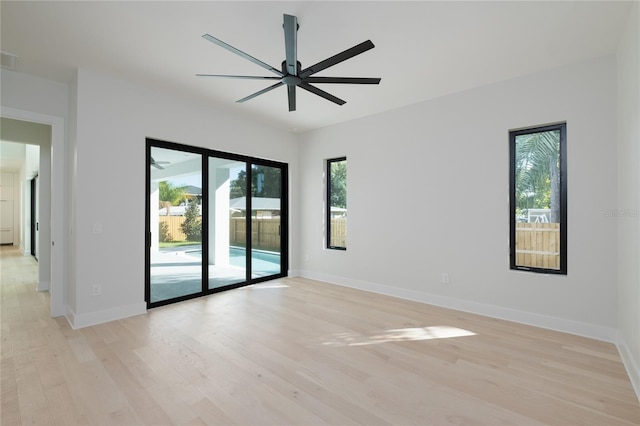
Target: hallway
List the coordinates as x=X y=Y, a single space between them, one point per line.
x=30 y=374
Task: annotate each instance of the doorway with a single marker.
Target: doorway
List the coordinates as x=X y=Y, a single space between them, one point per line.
x=215 y=221
x=51 y=265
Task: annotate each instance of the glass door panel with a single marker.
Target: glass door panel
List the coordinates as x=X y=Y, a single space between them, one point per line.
x=266 y=246
x=175 y=218
x=227 y=222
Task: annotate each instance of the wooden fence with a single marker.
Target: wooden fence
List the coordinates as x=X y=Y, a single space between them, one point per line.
x=339 y=231
x=265 y=232
x=538 y=245
x=173 y=230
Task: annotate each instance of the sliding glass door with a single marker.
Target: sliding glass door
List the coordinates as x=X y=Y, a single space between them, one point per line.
x=215 y=221
x=266 y=223
x=175 y=216
x=227 y=250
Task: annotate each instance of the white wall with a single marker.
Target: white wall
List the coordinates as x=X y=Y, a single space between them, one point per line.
x=34 y=94
x=111 y=120
x=428 y=193
x=72 y=199
x=629 y=197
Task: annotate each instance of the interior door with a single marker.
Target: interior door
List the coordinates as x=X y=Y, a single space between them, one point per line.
x=37 y=210
x=34 y=217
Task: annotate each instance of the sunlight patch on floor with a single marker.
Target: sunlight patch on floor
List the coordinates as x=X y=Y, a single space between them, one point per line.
x=397 y=335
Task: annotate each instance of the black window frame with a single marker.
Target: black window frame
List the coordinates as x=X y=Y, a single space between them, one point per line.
x=206 y=153
x=329 y=162
x=562 y=128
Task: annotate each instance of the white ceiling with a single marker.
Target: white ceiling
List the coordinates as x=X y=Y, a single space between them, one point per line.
x=424 y=49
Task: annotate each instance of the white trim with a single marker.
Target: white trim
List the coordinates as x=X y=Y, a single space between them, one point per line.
x=99 y=317
x=630 y=364
x=70 y=316
x=579 y=328
x=58 y=253
x=43 y=285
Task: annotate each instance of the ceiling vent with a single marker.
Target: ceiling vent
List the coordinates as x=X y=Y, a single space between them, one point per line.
x=9 y=61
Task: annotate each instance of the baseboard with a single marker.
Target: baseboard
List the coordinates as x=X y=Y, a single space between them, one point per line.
x=43 y=286
x=93 y=318
x=294 y=273
x=593 y=331
x=630 y=364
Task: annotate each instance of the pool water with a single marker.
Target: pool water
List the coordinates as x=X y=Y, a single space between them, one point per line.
x=261 y=261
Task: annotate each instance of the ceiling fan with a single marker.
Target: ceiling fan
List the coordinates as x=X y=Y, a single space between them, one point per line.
x=292 y=74
x=157 y=165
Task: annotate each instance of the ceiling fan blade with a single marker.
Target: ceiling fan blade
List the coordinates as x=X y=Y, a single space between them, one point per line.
x=244 y=77
x=291 y=43
x=336 y=59
x=321 y=93
x=268 y=89
x=292 y=97
x=156 y=164
x=241 y=53
x=342 y=80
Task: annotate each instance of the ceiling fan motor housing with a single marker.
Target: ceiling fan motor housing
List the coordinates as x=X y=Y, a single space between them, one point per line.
x=288 y=79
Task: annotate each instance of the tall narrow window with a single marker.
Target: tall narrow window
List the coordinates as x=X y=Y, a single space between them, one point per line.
x=538 y=199
x=337 y=203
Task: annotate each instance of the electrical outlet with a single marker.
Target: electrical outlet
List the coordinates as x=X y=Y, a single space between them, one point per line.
x=445 y=278
x=96 y=289
x=97 y=228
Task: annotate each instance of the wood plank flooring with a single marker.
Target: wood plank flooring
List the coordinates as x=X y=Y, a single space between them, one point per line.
x=297 y=352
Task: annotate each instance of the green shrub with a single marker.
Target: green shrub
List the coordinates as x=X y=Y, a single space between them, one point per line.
x=192 y=225
x=165 y=235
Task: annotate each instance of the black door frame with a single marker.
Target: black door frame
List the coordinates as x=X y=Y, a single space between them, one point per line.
x=206 y=154
x=34 y=222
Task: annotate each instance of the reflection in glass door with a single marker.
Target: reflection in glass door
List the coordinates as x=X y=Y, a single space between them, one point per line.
x=266 y=184
x=227 y=224
x=175 y=219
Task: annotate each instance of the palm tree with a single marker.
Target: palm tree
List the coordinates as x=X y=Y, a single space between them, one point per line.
x=538 y=172
x=338 y=183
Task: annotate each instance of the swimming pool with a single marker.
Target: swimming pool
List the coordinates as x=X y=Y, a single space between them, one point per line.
x=262 y=261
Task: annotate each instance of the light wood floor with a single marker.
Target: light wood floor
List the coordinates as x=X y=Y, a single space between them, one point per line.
x=298 y=352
